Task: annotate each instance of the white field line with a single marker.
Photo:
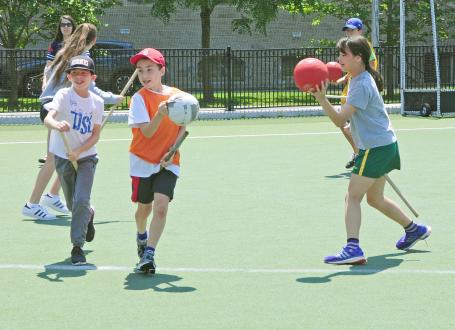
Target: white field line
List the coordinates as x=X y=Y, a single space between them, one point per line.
x=249 y=135
x=355 y=270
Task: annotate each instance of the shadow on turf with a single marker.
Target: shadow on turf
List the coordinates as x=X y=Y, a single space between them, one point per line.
x=376 y=264
x=344 y=175
x=56 y=272
x=64 y=220
x=158 y=282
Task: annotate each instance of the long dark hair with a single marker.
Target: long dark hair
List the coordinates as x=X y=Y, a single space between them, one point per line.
x=359 y=46
x=59 y=34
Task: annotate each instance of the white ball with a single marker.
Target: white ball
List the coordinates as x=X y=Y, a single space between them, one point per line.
x=183 y=108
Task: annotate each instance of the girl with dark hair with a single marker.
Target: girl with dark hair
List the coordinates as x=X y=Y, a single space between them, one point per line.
x=65 y=29
x=378 y=150
x=353 y=27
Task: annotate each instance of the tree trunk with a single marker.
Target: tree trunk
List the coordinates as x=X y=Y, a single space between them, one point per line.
x=207 y=89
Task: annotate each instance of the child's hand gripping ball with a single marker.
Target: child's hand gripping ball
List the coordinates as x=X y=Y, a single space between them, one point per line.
x=183 y=108
x=309 y=73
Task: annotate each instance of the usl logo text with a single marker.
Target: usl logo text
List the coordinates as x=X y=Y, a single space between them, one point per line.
x=81 y=122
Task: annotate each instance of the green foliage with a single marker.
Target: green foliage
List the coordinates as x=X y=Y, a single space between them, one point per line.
x=254 y=14
x=418 y=19
x=25 y=21
x=321 y=42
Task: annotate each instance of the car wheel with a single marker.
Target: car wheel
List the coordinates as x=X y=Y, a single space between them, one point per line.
x=32 y=85
x=119 y=81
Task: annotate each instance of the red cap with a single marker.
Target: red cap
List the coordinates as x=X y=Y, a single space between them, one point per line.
x=151 y=54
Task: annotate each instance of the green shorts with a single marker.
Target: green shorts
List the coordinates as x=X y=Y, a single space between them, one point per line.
x=376 y=162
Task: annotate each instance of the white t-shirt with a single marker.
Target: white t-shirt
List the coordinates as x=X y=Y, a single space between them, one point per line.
x=138 y=115
x=82 y=113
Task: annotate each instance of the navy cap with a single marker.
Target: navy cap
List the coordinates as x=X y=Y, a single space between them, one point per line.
x=353 y=23
x=81 y=62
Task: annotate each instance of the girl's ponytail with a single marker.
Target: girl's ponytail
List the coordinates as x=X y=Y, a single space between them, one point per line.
x=376 y=76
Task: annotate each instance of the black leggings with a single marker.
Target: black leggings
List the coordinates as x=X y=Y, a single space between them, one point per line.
x=43 y=111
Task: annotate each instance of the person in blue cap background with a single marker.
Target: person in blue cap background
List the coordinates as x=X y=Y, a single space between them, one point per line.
x=353 y=27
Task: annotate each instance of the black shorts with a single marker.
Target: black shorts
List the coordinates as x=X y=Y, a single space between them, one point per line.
x=162 y=182
x=43 y=111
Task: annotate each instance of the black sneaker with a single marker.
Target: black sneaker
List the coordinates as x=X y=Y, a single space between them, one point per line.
x=91 y=227
x=42 y=160
x=147 y=263
x=141 y=245
x=78 y=256
x=351 y=163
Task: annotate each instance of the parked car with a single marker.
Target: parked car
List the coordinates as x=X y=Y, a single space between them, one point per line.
x=112 y=65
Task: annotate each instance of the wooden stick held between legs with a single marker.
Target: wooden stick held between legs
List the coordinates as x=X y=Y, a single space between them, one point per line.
x=68 y=148
x=401 y=195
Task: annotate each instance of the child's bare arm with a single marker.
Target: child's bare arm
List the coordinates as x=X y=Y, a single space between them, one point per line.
x=148 y=129
x=50 y=122
x=339 y=118
x=342 y=80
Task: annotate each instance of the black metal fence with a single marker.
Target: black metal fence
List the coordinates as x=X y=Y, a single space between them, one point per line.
x=223 y=78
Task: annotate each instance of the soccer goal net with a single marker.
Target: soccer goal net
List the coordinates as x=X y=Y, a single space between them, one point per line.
x=427 y=74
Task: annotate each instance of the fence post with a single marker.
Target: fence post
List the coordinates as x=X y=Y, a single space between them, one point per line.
x=229 y=78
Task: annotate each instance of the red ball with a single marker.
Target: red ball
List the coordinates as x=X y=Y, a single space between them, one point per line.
x=335 y=71
x=309 y=73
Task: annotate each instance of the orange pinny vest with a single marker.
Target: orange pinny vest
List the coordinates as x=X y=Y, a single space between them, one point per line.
x=154 y=148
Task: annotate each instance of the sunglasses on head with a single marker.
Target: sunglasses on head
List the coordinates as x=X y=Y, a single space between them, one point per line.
x=66 y=24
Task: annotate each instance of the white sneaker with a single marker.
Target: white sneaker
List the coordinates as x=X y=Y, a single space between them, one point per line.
x=36 y=211
x=54 y=203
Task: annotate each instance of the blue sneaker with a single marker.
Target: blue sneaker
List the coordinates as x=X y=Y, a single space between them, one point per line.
x=141 y=245
x=350 y=254
x=410 y=239
x=147 y=263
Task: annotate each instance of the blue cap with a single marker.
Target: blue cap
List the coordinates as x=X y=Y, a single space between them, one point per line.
x=353 y=23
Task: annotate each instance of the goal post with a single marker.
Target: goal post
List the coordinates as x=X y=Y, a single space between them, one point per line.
x=419 y=96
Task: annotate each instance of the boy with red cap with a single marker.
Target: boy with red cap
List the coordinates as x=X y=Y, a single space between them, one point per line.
x=153 y=178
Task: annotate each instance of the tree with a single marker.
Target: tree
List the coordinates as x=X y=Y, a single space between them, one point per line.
x=23 y=22
x=418 y=19
x=255 y=14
